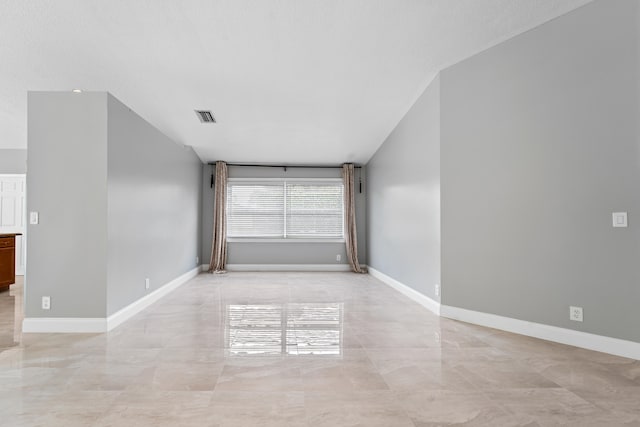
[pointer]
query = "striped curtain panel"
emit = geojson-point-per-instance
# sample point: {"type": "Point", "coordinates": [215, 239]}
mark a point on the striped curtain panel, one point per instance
{"type": "Point", "coordinates": [219, 244]}
{"type": "Point", "coordinates": [350, 235]}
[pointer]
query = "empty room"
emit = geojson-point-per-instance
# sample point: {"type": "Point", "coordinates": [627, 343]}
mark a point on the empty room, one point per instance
{"type": "Point", "coordinates": [396, 213]}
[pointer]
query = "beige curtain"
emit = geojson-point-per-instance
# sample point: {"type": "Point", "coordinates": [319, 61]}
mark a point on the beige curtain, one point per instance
{"type": "Point", "coordinates": [219, 244]}
{"type": "Point", "coordinates": [350, 236]}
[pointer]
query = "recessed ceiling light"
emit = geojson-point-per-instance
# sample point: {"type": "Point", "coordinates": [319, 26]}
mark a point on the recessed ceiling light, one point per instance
{"type": "Point", "coordinates": [77, 91]}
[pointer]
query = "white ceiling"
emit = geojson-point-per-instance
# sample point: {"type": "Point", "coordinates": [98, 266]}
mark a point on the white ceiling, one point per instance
{"type": "Point", "coordinates": [289, 81]}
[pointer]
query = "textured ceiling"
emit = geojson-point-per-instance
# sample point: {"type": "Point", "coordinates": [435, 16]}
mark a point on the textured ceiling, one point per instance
{"type": "Point", "coordinates": [293, 81]}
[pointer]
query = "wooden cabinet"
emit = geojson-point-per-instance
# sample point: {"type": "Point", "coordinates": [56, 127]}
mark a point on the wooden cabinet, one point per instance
{"type": "Point", "coordinates": [7, 260]}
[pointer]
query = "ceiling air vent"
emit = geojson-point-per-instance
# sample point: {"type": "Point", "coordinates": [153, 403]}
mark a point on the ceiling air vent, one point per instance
{"type": "Point", "coordinates": [205, 116]}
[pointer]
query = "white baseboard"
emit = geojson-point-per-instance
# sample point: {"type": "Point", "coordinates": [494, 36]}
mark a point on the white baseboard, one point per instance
{"type": "Point", "coordinates": [100, 324]}
{"type": "Point", "coordinates": [423, 300]}
{"type": "Point", "coordinates": [64, 324]}
{"type": "Point", "coordinates": [288, 267]}
{"type": "Point", "coordinates": [580, 339]}
{"type": "Point", "coordinates": [136, 307]}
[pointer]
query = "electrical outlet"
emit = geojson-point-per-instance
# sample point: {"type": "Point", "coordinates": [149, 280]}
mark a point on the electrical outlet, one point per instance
{"type": "Point", "coordinates": [338, 257]}
{"type": "Point", "coordinates": [147, 283]}
{"type": "Point", "coordinates": [46, 303]}
{"type": "Point", "coordinates": [197, 260]}
{"type": "Point", "coordinates": [437, 290]}
{"type": "Point", "coordinates": [575, 313]}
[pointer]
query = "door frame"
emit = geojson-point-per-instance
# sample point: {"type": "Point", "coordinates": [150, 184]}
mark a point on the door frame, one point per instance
{"type": "Point", "coordinates": [24, 218]}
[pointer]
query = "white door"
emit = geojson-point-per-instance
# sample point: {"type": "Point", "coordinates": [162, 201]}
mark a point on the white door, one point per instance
{"type": "Point", "coordinates": [12, 214]}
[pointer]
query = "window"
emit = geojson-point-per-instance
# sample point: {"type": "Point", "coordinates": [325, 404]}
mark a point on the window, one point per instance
{"type": "Point", "coordinates": [255, 210]}
{"type": "Point", "coordinates": [285, 209]}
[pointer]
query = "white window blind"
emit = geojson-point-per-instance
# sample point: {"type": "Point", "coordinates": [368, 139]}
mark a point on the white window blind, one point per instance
{"type": "Point", "coordinates": [255, 210]}
{"type": "Point", "coordinates": [285, 209]}
{"type": "Point", "coordinates": [314, 210]}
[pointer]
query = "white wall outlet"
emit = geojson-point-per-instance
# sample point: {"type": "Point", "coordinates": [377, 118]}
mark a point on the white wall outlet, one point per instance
{"type": "Point", "coordinates": [46, 303]}
{"type": "Point", "coordinates": [197, 260]}
{"type": "Point", "coordinates": [33, 218]}
{"type": "Point", "coordinates": [437, 290]}
{"type": "Point", "coordinates": [575, 313]}
{"type": "Point", "coordinates": [147, 283]}
{"type": "Point", "coordinates": [338, 257]}
{"type": "Point", "coordinates": [619, 219]}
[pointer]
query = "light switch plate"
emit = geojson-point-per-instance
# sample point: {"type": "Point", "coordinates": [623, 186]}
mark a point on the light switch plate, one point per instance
{"type": "Point", "coordinates": [33, 217]}
{"type": "Point", "coordinates": [619, 219]}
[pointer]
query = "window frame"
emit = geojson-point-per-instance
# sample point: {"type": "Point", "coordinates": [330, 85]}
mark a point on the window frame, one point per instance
{"type": "Point", "coordinates": [284, 181]}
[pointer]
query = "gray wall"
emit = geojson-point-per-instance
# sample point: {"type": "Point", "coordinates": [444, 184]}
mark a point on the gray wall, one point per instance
{"type": "Point", "coordinates": [13, 161]}
{"type": "Point", "coordinates": [67, 182]}
{"type": "Point", "coordinates": [403, 206]}
{"type": "Point", "coordinates": [540, 144]}
{"type": "Point", "coordinates": [118, 202]}
{"type": "Point", "coordinates": [282, 252]}
{"type": "Point", "coordinates": [153, 207]}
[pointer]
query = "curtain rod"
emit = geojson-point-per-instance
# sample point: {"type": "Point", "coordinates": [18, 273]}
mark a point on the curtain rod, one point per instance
{"type": "Point", "coordinates": [285, 166]}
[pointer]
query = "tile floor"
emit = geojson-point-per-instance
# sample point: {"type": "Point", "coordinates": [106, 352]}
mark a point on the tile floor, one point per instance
{"type": "Point", "coordinates": [302, 349]}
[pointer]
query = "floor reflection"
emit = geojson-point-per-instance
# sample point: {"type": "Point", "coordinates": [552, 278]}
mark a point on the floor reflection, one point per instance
{"type": "Point", "coordinates": [294, 329]}
{"type": "Point", "coordinates": [11, 315]}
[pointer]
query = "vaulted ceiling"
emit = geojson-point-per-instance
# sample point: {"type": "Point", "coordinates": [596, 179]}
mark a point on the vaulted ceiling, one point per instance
{"type": "Point", "coordinates": [288, 81]}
